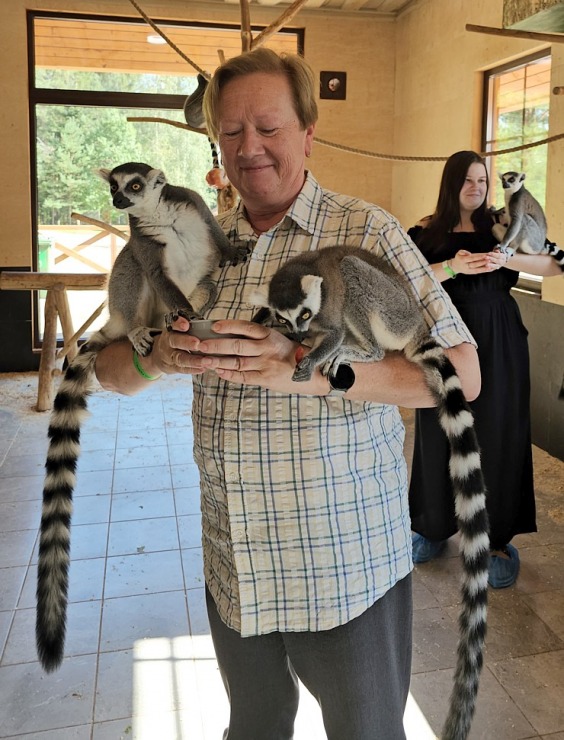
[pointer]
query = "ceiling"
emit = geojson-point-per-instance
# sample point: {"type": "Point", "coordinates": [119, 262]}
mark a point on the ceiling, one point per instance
{"type": "Point", "coordinates": [382, 7]}
{"type": "Point", "coordinates": [106, 46]}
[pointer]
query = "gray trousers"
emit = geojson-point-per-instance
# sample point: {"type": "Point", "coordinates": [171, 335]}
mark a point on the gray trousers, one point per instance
{"type": "Point", "coordinates": [358, 672]}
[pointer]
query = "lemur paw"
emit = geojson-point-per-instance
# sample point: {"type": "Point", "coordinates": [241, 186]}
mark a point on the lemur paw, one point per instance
{"type": "Point", "coordinates": [507, 250]}
{"type": "Point", "coordinates": [303, 371]}
{"type": "Point", "coordinates": [142, 339]}
{"type": "Point", "coordinates": [332, 363]}
{"type": "Point", "coordinates": [185, 313]}
{"type": "Point", "coordinates": [240, 255]}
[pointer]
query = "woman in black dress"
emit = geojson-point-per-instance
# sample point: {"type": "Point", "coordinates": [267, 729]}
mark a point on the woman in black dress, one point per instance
{"type": "Point", "coordinates": [458, 243]}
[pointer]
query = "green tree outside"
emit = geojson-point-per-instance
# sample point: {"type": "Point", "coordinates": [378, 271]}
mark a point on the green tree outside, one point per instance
{"type": "Point", "coordinates": [73, 142]}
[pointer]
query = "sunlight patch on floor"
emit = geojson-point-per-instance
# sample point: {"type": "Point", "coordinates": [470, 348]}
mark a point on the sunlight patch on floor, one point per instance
{"type": "Point", "coordinates": [178, 695]}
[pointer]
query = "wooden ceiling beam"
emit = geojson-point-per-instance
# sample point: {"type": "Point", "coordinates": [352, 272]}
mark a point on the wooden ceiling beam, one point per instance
{"type": "Point", "coordinates": [549, 38]}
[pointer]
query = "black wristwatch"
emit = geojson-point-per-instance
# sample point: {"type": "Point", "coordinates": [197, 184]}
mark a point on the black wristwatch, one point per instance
{"type": "Point", "coordinates": [341, 379]}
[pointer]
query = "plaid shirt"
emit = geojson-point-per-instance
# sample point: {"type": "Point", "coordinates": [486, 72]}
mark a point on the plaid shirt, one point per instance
{"type": "Point", "coordinates": [304, 498]}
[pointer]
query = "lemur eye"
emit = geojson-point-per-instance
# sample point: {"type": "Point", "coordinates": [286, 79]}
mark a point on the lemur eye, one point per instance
{"type": "Point", "coordinates": [136, 186]}
{"type": "Point", "coordinates": [113, 188]}
{"type": "Point", "coordinates": [306, 315]}
{"type": "Point", "coordinates": [281, 320]}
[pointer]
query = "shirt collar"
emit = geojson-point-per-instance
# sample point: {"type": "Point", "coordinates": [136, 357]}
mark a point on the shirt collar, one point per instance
{"type": "Point", "coordinates": [304, 210]}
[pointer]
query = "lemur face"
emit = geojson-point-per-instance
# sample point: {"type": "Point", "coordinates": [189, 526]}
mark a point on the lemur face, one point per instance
{"type": "Point", "coordinates": [512, 181]}
{"type": "Point", "coordinates": [134, 186]}
{"type": "Point", "coordinates": [296, 308]}
{"type": "Point", "coordinates": [293, 301]}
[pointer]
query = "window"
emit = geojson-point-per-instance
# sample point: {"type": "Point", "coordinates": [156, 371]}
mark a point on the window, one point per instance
{"type": "Point", "coordinates": [88, 76]}
{"type": "Point", "coordinates": [517, 112]}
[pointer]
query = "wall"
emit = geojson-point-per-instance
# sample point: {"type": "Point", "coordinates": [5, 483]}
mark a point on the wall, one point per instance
{"type": "Point", "coordinates": [544, 322]}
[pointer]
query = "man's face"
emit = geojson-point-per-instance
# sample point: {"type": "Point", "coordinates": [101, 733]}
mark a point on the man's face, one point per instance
{"type": "Point", "coordinates": [262, 143]}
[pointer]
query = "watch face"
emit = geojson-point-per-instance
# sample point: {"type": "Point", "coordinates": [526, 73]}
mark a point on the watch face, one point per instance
{"type": "Point", "coordinates": [343, 378]}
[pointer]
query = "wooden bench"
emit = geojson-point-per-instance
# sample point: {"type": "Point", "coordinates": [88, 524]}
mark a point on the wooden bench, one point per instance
{"type": "Point", "coordinates": [56, 306]}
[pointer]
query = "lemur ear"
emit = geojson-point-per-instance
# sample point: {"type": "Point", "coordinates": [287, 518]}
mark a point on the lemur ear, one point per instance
{"type": "Point", "coordinates": [311, 282]}
{"type": "Point", "coordinates": [522, 177]}
{"type": "Point", "coordinates": [259, 297]}
{"type": "Point", "coordinates": [104, 173]}
{"type": "Point", "coordinates": [157, 177]}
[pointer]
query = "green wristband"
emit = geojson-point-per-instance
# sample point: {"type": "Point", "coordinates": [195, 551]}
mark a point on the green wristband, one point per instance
{"type": "Point", "coordinates": [142, 373]}
{"type": "Point", "coordinates": [448, 269]}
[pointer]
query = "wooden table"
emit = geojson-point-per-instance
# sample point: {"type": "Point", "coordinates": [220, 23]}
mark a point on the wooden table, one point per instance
{"type": "Point", "coordinates": [56, 305]}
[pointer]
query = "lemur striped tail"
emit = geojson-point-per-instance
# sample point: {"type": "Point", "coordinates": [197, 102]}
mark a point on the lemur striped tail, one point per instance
{"type": "Point", "coordinates": [456, 419]}
{"type": "Point", "coordinates": [555, 251]}
{"type": "Point", "coordinates": [69, 411]}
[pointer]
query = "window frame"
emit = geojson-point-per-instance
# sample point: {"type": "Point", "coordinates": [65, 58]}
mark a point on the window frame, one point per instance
{"type": "Point", "coordinates": [527, 282]}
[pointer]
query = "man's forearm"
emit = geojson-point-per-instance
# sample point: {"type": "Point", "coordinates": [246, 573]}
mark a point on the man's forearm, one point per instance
{"type": "Point", "coordinates": [116, 372]}
{"type": "Point", "coordinates": [396, 380]}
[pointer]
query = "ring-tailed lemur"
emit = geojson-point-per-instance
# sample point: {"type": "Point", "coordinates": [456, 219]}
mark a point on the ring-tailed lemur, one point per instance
{"type": "Point", "coordinates": [352, 305]}
{"type": "Point", "coordinates": [522, 224]}
{"type": "Point", "coordinates": [194, 115]}
{"type": "Point", "coordinates": [174, 246]}
{"type": "Point", "coordinates": [501, 222]}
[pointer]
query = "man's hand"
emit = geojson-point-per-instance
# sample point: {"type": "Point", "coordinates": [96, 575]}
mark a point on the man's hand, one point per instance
{"type": "Point", "coordinates": [258, 356]}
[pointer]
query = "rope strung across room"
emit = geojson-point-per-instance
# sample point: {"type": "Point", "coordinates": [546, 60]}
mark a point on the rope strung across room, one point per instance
{"type": "Point", "coordinates": [402, 158]}
{"type": "Point", "coordinates": [364, 152]}
{"type": "Point", "coordinates": [342, 147]}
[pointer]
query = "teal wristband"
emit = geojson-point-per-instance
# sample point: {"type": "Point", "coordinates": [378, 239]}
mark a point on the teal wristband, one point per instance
{"type": "Point", "coordinates": [142, 373]}
{"type": "Point", "coordinates": [448, 269]}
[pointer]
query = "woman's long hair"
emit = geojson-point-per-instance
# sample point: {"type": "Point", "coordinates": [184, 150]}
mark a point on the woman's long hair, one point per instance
{"type": "Point", "coordinates": [447, 213]}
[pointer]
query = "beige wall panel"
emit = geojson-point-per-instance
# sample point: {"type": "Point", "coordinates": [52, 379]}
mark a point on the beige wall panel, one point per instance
{"type": "Point", "coordinates": [14, 139]}
{"type": "Point", "coordinates": [364, 49]}
{"type": "Point", "coordinates": [555, 173]}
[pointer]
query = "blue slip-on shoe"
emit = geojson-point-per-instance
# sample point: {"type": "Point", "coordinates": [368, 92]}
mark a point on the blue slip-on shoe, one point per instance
{"type": "Point", "coordinates": [503, 572]}
{"type": "Point", "coordinates": [424, 549]}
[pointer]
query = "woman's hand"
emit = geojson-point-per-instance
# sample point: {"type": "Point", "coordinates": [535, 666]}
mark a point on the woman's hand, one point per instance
{"type": "Point", "coordinates": [469, 263]}
{"type": "Point", "coordinates": [497, 259]}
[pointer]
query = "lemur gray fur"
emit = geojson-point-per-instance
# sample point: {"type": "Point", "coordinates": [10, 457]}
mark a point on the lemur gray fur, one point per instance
{"type": "Point", "coordinates": [175, 244]}
{"type": "Point", "coordinates": [193, 112]}
{"type": "Point", "coordinates": [499, 228]}
{"type": "Point", "coordinates": [522, 224]}
{"type": "Point", "coordinates": [352, 305]}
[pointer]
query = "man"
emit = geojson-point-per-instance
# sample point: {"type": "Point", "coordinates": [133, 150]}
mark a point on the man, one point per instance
{"type": "Point", "coordinates": [306, 531]}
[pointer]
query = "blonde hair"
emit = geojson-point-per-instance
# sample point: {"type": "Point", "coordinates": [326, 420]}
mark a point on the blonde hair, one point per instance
{"type": "Point", "coordinates": [294, 67]}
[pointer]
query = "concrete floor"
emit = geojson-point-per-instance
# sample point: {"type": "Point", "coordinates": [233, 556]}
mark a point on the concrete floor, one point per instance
{"type": "Point", "coordinates": [140, 663]}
